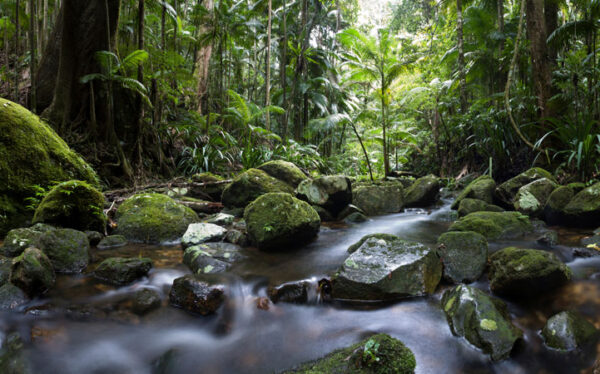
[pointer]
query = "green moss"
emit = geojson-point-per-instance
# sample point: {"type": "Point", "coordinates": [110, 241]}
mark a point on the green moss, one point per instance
{"type": "Point", "coordinates": [279, 220]}
{"type": "Point", "coordinates": [494, 225]}
{"type": "Point", "coordinates": [569, 330]}
{"type": "Point", "coordinates": [519, 272]}
{"type": "Point", "coordinates": [249, 185]}
{"type": "Point", "coordinates": [468, 205]}
{"type": "Point", "coordinates": [153, 218]}
{"type": "Point", "coordinates": [481, 188]}
{"type": "Point", "coordinates": [206, 177]}
{"type": "Point", "coordinates": [120, 271]}
{"type": "Point", "coordinates": [379, 354]}
{"type": "Point", "coordinates": [378, 199]}
{"type": "Point", "coordinates": [31, 153]}
{"type": "Point", "coordinates": [560, 197]}
{"type": "Point", "coordinates": [67, 249]}
{"type": "Point", "coordinates": [507, 191]}
{"type": "Point", "coordinates": [32, 272]}
{"type": "Point", "coordinates": [423, 192]}
{"type": "Point", "coordinates": [74, 204]}
{"type": "Point", "coordinates": [357, 245]}
{"type": "Point", "coordinates": [284, 171]}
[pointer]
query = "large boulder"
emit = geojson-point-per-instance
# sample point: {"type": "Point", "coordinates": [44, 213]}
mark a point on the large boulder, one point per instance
{"type": "Point", "coordinates": [495, 225]}
{"type": "Point", "coordinates": [468, 206]}
{"type": "Point", "coordinates": [249, 185]}
{"type": "Point", "coordinates": [481, 188]}
{"type": "Point", "coordinates": [278, 221]}
{"type": "Point", "coordinates": [32, 272]}
{"type": "Point", "coordinates": [198, 233]}
{"type": "Point", "coordinates": [13, 359]}
{"type": "Point", "coordinates": [67, 249]}
{"type": "Point", "coordinates": [423, 192]}
{"type": "Point", "coordinates": [526, 272]}
{"type": "Point", "coordinates": [112, 241]}
{"type": "Point", "coordinates": [378, 354]}
{"type": "Point", "coordinates": [383, 269]}
{"type": "Point", "coordinates": [556, 203]}
{"type": "Point", "coordinates": [31, 154]}
{"type": "Point", "coordinates": [376, 200]}
{"type": "Point", "coordinates": [483, 320]}
{"type": "Point", "coordinates": [284, 171]}
{"type": "Point", "coordinates": [569, 330]}
{"type": "Point", "coordinates": [12, 297]}
{"type": "Point", "coordinates": [73, 204]}
{"type": "Point", "coordinates": [332, 192]}
{"type": "Point", "coordinates": [506, 192]}
{"type": "Point", "coordinates": [207, 185]}
{"type": "Point", "coordinates": [532, 197]}
{"type": "Point", "coordinates": [196, 295]}
{"type": "Point", "coordinates": [211, 258]}
{"type": "Point", "coordinates": [464, 255]}
{"type": "Point", "coordinates": [153, 218]}
{"type": "Point", "coordinates": [119, 271]}
{"type": "Point", "coordinates": [17, 240]}
{"type": "Point", "coordinates": [584, 208]}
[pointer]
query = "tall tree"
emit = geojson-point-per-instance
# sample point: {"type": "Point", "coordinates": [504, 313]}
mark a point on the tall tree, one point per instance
{"type": "Point", "coordinates": [541, 77]}
{"type": "Point", "coordinates": [268, 66]}
{"type": "Point", "coordinates": [462, 80]}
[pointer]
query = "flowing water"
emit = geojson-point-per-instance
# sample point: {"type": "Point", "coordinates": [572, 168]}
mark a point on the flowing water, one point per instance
{"type": "Point", "coordinates": [83, 326]}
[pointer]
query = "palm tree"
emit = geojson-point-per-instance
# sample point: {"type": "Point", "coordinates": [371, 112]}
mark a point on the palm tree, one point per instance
{"type": "Point", "coordinates": [374, 59]}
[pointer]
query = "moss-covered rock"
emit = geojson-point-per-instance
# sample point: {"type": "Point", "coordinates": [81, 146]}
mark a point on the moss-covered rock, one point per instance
{"type": "Point", "coordinates": [284, 171]}
{"type": "Point", "coordinates": [290, 292]}
{"type": "Point", "coordinates": [506, 192]}
{"type": "Point", "coordinates": [210, 190]}
{"type": "Point", "coordinates": [32, 272]}
{"type": "Point", "coordinates": [120, 271]}
{"type": "Point", "coordinates": [112, 241]}
{"type": "Point", "coordinates": [569, 330]}
{"type": "Point", "coordinates": [12, 357]}
{"type": "Point", "coordinates": [278, 221]}
{"type": "Point", "coordinates": [375, 200]}
{"type": "Point", "coordinates": [556, 203]}
{"type": "Point", "coordinates": [17, 240]}
{"type": "Point", "coordinates": [12, 297]}
{"type": "Point", "coordinates": [73, 204]}
{"type": "Point", "coordinates": [5, 265]}
{"type": "Point", "coordinates": [67, 249]}
{"type": "Point", "coordinates": [94, 237]}
{"type": "Point", "coordinates": [423, 192]}
{"type": "Point", "coordinates": [209, 258]}
{"type": "Point", "coordinates": [481, 188]}
{"type": "Point", "coordinates": [361, 241]}
{"type": "Point", "coordinates": [249, 185]}
{"type": "Point", "coordinates": [464, 255]}
{"type": "Point", "coordinates": [483, 320]}
{"type": "Point", "coordinates": [468, 206]}
{"type": "Point", "coordinates": [153, 218]}
{"type": "Point", "coordinates": [31, 154]}
{"type": "Point", "coordinates": [387, 270]}
{"type": "Point", "coordinates": [532, 197]}
{"type": "Point", "coordinates": [378, 354]}
{"type": "Point", "coordinates": [146, 300]}
{"type": "Point", "coordinates": [495, 225]}
{"type": "Point", "coordinates": [526, 272]}
{"type": "Point", "coordinates": [332, 192]}
{"type": "Point", "coordinates": [195, 295]}
{"type": "Point", "coordinates": [221, 219]}
{"type": "Point", "coordinates": [584, 208]}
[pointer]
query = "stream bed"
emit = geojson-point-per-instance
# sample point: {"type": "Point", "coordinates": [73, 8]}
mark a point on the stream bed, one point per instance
{"type": "Point", "coordinates": [84, 326]}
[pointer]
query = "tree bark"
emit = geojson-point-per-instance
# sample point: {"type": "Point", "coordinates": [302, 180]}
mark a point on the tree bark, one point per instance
{"type": "Point", "coordinates": [32, 52]}
{"type": "Point", "coordinates": [462, 81]}
{"type": "Point", "coordinates": [202, 65]}
{"type": "Point", "coordinates": [536, 29]}
{"type": "Point", "coordinates": [268, 66]}
{"type": "Point", "coordinates": [48, 67]}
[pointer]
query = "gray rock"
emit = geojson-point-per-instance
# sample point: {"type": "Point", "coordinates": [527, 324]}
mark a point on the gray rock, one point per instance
{"type": "Point", "coordinates": [332, 192]}
{"type": "Point", "coordinates": [569, 330]}
{"type": "Point", "coordinates": [18, 239]}
{"type": "Point", "coordinates": [211, 258]}
{"type": "Point", "coordinates": [112, 241]}
{"type": "Point", "coordinates": [464, 255]}
{"type": "Point", "coordinates": [146, 300]}
{"type": "Point", "coordinates": [291, 292]}
{"type": "Point", "coordinates": [94, 237]}
{"type": "Point", "coordinates": [198, 233]}
{"type": "Point", "coordinates": [383, 269]}
{"type": "Point", "coordinates": [12, 297]}
{"type": "Point", "coordinates": [495, 225]}
{"type": "Point", "coordinates": [468, 206]}
{"type": "Point", "coordinates": [120, 271]}
{"type": "Point", "coordinates": [237, 237]}
{"type": "Point", "coordinates": [506, 192]}
{"type": "Point", "coordinates": [481, 188]}
{"type": "Point", "coordinates": [376, 200]}
{"type": "Point", "coordinates": [531, 198]}
{"type": "Point", "coordinates": [483, 320]}
{"type": "Point", "coordinates": [221, 219]}
{"type": "Point", "coordinates": [424, 192]}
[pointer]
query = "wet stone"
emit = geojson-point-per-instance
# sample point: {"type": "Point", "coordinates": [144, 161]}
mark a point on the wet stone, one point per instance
{"type": "Point", "coordinates": [112, 241]}
{"type": "Point", "coordinates": [221, 219]}
{"type": "Point", "coordinates": [146, 300]}
{"type": "Point", "coordinates": [94, 237]}
{"type": "Point", "coordinates": [195, 295]}
{"type": "Point", "coordinates": [120, 271]}
{"type": "Point", "coordinates": [291, 292]}
{"type": "Point", "coordinates": [198, 233]}
{"type": "Point", "coordinates": [12, 297]}
{"type": "Point", "coordinates": [211, 258]}
{"type": "Point", "coordinates": [569, 330]}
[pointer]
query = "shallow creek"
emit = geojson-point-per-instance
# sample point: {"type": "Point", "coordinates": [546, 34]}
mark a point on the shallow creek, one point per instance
{"type": "Point", "coordinates": [83, 326]}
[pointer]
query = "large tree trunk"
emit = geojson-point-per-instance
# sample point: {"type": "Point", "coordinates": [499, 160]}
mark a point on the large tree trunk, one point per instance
{"type": "Point", "coordinates": [48, 68]}
{"type": "Point", "coordinates": [202, 65]}
{"type": "Point", "coordinates": [536, 29]}
{"type": "Point", "coordinates": [462, 81]}
{"type": "Point", "coordinates": [80, 42]}
{"type": "Point", "coordinates": [268, 67]}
